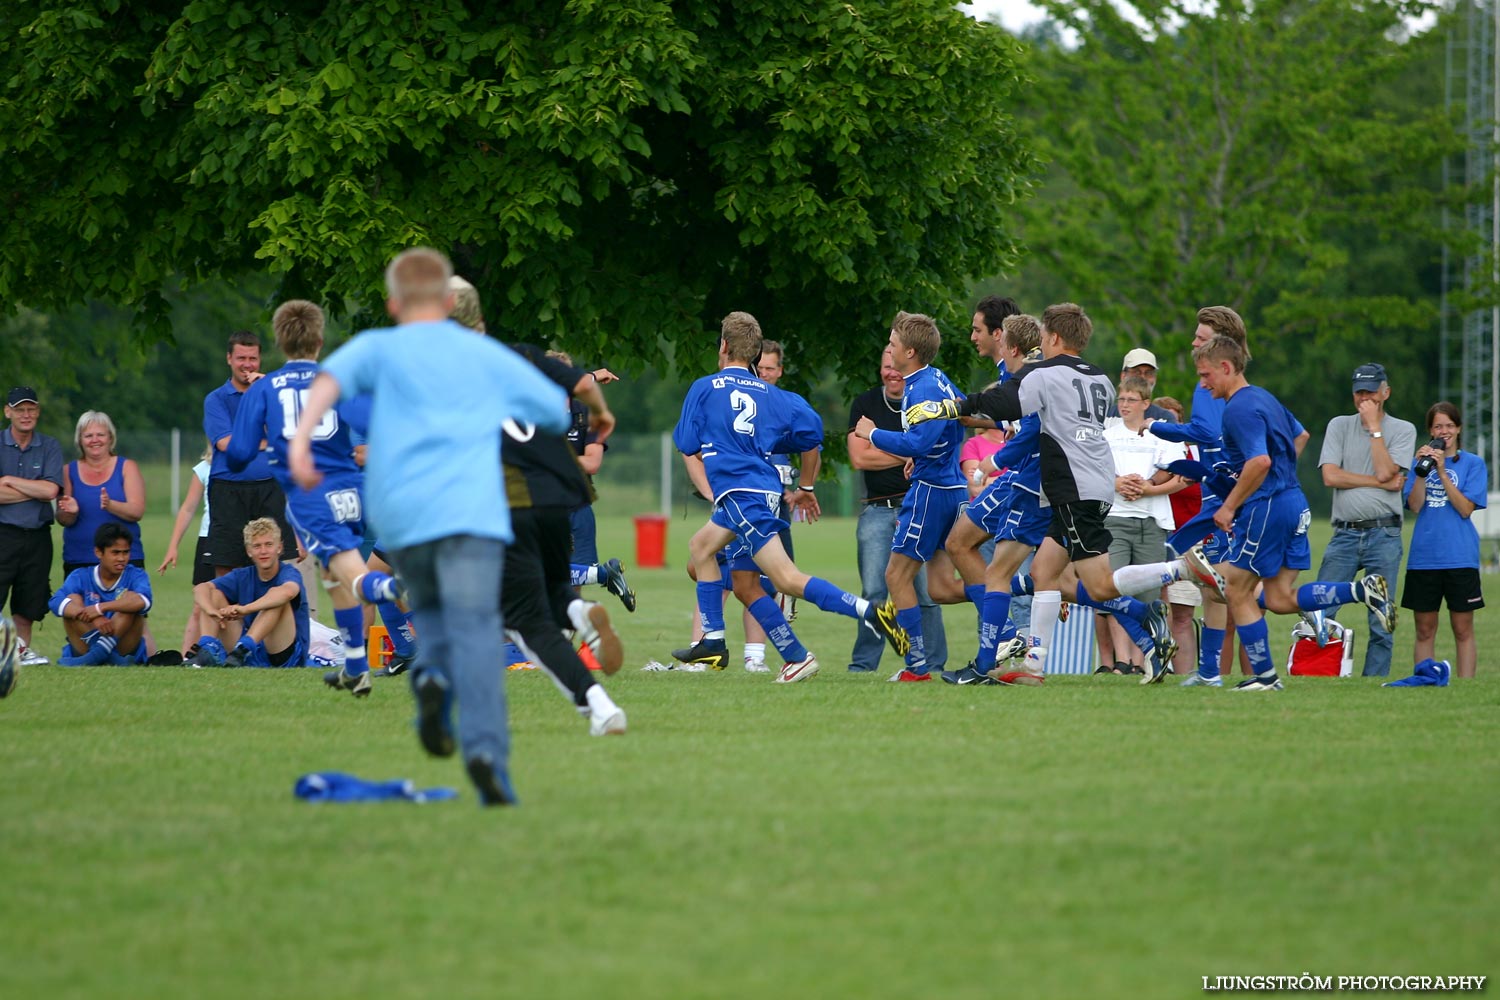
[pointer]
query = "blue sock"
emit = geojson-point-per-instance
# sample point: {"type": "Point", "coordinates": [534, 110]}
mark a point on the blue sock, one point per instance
{"type": "Point", "coordinates": [1260, 599]}
{"type": "Point", "coordinates": [376, 587]}
{"type": "Point", "coordinates": [1313, 596]}
{"type": "Point", "coordinates": [1137, 633]}
{"type": "Point", "coordinates": [1211, 645]}
{"type": "Point", "coordinates": [351, 625]}
{"type": "Point", "coordinates": [711, 610]}
{"type": "Point", "coordinates": [994, 615]}
{"type": "Point", "coordinates": [1021, 585]}
{"type": "Point", "coordinates": [582, 575]}
{"type": "Point", "coordinates": [830, 598]}
{"type": "Point", "coordinates": [1125, 607]}
{"type": "Point", "coordinates": [1256, 639]}
{"type": "Point", "coordinates": [398, 626]}
{"type": "Point", "coordinates": [767, 586]}
{"type": "Point", "coordinates": [975, 594]}
{"type": "Point", "coordinates": [911, 620]}
{"type": "Point", "coordinates": [765, 611]}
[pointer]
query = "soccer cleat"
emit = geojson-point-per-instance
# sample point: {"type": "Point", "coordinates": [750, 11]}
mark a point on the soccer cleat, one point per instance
{"type": "Point", "coordinates": [968, 675]}
{"type": "Point", "coordinates": [356, 684]}
{"type": "Point", "coordinates": [883, 624]}
{"type": "Point", "coordinates": [591, 627]}
{"type": "Point", "coordinates": [801, 670]}
{"type": "Point", "coordinates": [1196, 560]}
{"type": "Point", "coordinates": [791, 614]}
{"type": "Point", "coordinates": [904, 676]}
{"type": "Point", "coordinates": [1270, 682]}
{"type": "Point", "coordinates": [1158, 622]}
{"type": "Point", "coordinates": [29, 656]}
{"type": "Point", "coordinates": [1032, 672]}
{"type": "Point", "coordinates": [1377, 597]}
{"type": "Point", "coordinates": [714, 655]}
{"type": "Point", "coordinates": [1317, 622]}
{"type": "Point", "coordinates": [235, 657]}
{"type": "Point", "coordinates": [1196, 679]}
{"type": "Point", "coordinates": [608, 724]}
{"type": "Point", "coordinates": [612, 577]}
{"type": "Point", "coordinates": [1011, 649]}
{"type": "Point", "coordinates": [492, 785]}
{"type": "Point", "coordinates": [756, 666]}
{"type": "Point", "coordinates": [395, 666]}
{"type": "Point", "coordinates": [1020, 678]}
{"type": "Point", "coordinates": [433, 704]}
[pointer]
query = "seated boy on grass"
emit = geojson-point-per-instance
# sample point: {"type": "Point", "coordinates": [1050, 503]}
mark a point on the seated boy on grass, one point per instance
{"type": "Point", "coordinates": [259, 608]}
{"type": "Point", "coordinates": [104, 607]}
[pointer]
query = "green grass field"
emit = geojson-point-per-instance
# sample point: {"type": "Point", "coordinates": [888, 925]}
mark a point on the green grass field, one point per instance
{"type": "Point", "coordinates": [843, 837]}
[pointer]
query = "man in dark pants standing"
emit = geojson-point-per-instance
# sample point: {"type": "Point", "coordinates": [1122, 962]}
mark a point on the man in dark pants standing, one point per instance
{"type": "Point", "coordinates": [31, 467]}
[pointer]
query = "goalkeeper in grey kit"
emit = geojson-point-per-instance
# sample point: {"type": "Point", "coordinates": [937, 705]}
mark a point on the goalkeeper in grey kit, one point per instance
{"type": "Point", "coordinates": [1071, 398]}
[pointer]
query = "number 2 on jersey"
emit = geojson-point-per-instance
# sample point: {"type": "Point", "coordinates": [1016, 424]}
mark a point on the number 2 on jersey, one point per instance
{"type": "Point", "coordinates": [743, 404]}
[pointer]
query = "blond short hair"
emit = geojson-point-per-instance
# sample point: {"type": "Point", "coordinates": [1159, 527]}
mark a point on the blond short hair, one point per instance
{"type": "Point", "coordinates": [917, 333]}
{"type": "Point", "coordinates": [1070, 323]}
{"type": "Point", "coordinates": [741, 335]}
{"type": "Point", "coordinates": [418, 276]}
{"type": "Point", "coordinates": [94, 417]}
{"type": "Point", "coordinates": [466, 308]}
{"type": "Point", "coordinates": [262, 526]}
{"type": "Point", "coordinates": [1225, 322]}
{"type": "Point", "coordinates": [1223, 348]}
{"type": "Point", "coordinates": [1023, 333]}
{"type": "Point", "coordinates": [298, 325]}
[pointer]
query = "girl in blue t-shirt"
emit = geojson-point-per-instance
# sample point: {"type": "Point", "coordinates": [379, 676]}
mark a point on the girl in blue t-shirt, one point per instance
{"type": "Point", "coordinates": [1443, 564]}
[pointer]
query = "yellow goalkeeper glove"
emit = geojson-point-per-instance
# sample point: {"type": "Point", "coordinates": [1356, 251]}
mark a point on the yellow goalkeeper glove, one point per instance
{"type": "Point", "coordinates": [941, 409]}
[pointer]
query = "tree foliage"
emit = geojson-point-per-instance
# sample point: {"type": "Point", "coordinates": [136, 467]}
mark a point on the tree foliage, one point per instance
{"type": "Point", "coordinates": [612, 174]}
{"type": "Point", "coordinates": [1281, 156]}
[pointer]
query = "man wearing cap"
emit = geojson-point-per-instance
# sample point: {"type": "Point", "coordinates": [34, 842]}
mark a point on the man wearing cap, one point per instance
{"type": "Point", "coordinates": [1142, 364]}
{"type": "Point", "coordinates": [1365, 459]}
{"type": "Point", "coordinates": [31, 466]}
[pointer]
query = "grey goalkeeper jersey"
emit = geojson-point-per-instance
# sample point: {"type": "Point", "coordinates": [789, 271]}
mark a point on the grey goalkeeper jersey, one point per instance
{"type": "Point", "coordinates": [1071, 397]}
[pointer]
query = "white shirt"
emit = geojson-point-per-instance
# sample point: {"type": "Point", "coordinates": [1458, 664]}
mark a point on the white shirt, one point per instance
{"type": "Point", "coordinates": [1141, 454]}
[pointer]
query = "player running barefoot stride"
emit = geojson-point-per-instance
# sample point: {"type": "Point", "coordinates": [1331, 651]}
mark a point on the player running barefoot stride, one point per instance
{"type": "Point", "coordinates": [730, 422]}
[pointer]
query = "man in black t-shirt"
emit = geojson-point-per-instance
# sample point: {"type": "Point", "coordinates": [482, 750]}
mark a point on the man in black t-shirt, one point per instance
{"type": "Point", "coordinates": [885, 485]}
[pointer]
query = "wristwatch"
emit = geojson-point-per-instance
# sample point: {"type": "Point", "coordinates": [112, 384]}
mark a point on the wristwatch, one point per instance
{"type": "Point", "coordinates": [1376, 434]}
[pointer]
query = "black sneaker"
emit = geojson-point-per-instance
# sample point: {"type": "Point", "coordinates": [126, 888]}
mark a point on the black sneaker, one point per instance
{"type": "Point", "coordinates": [395, 666]}
{"type": "Point", "coordinates": [493, 786]}
{"type": "Point", "coordinates": [612, 576]}
{"type": "Point", "coordinates": [713, 654]}
{"type": "Point", "coordinates": [1270, 682]}
{"type": "Point", "coordinates": [356, 684]}
{"type": "Point", "coordinates": [235, 657]}
{"type": "Point", "coordinates": [968, 675]}
{"type": "Point", "coordinates": [433, 704]}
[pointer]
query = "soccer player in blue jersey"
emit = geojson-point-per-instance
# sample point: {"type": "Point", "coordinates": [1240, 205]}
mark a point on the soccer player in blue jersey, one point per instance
{"type": "Point", "coordinates": [1010, 511]}
{"type": "Point", "coordinates": [937, 484]}
{"type": "Point", "coordinates": [329, 519]}
{"type": "Point", "coordinates": [104, 607]}
{"type": "Point", "coordinates": [1267, 515]}
{"type": "Point", "coordinates": [730, 422]}
{"type": "Point", "coordinates": [439, 397]}
{"type": "Point", "coordinates": [263, 603]}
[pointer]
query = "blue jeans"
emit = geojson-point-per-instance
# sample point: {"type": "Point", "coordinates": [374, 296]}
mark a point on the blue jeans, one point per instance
{"type": "Point", "coordinates": [874, 533]}
{"type": "Point", "coordinates": [1375, 550]}
{"type": "Point", "coordinates": [454, 587]}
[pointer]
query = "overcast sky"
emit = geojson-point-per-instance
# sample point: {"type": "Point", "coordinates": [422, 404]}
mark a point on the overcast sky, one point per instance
{"type": "Point", "coordinates": [1014, 14]}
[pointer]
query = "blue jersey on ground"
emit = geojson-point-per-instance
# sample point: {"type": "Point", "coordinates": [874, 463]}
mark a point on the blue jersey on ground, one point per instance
{"type": "Point", "coordinates": [86, 583]}
{"type": "Point", "coordinates": [270, 410]}
{"type": "Point", "coordinates": [439, 395]}
{"type": "Point", "coordinates": [1442, 539]}
{"type": "Point", "coordinates": [733, 420]}
{"type": "Point", "coordinates": [1255, 423]}
{"type": "Point", "coordinates": [244, 585]}
{"type": "Point", "coordinates": [933, 445]}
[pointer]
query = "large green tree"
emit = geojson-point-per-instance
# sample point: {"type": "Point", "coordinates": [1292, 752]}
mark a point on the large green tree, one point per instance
{"type": "Point", "coordinates": [612, 175]}
{"type": "Point", "coordinates": [1279, 156]}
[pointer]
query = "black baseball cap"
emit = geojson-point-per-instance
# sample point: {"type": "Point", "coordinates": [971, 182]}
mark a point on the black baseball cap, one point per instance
{"type": "Point", "coordinates": [1367, 378]}
{"type": "Point", "coordinates": [22, 394]}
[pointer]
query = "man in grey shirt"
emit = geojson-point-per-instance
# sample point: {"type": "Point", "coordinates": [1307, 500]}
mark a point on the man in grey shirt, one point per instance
{"type": "Point", "coordinates": [1365, 459]}
{"type": "Point", "coordinates": [31, 467]}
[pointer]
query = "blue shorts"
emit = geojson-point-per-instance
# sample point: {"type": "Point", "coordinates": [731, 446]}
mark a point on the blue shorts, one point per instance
{"type": "Point", "coordinates": [752, 517]}
{"type": "Point", "coordinates": [927, 515]}
{"type": "Point", "coordinates": [1200, 528]}
{"type": "Point", "coordinates": [329, 519]}
{"type": "Point", "coordinates": [1010, 514]}
{"type": "Point", "coordinates": [1270, 534]}
{"type": "Point", "coordinates": [296, 656]}
{"type": "Point", "coordinates": [585, 535]}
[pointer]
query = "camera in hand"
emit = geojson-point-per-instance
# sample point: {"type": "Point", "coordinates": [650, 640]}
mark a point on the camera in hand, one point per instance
{"type": "Point", "coordinates": [1427, 463]}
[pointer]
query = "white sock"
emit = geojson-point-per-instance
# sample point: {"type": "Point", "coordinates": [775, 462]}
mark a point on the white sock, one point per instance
{"type": "Point", "coordinates": [755, 652]}
{"type": "Point", "coordinates": [600, 703]}
{"type": "Point", "coordinates": [1044, 608]}
{"type": "Point", "coordinates": [1147, 576]}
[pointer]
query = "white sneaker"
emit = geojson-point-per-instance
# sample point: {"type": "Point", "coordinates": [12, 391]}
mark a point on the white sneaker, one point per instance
{"type": "Point", "coordinates": [29, 656]}
{"type": "Point", "coordinates": [756, 666]}
{"type": "Point", "coordinates": [605, 717]}
{"type": "Point", "coordinates": [591, 625]}
{"type": "Point", "coordinates": [1196, 679]}
{"type": "Point", "coordinates": [799, 671]}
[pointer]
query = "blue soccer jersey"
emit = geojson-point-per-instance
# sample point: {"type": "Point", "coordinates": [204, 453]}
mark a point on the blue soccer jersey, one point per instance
{"type": "Point", "coordinates": [270, 410]}
{"type": "Point", "coordinates": [1255, 423]}
{"type": "Point", "coordinates": [733, 420]}
{"type": "Point", "coordinates": [85, 582]}
{"type": "Point", "coordinates": [934, 445]}
{"type": "Point", "coordinates": [244, 585]}
{"type": "Point", "coordinates": [1204, 429]}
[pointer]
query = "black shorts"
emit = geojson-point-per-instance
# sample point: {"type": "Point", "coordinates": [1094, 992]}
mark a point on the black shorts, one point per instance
{"type": "Point", "coordinates": [25, 563]}
{"type": "Point", "coordinates": [1079, 528]}
{"type": "Point", "coordinates": [1428, 589]}
{"type": "Point", "coordinates": [233, 505]}
{"type": "Point", "coordinates": [203, 568]}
